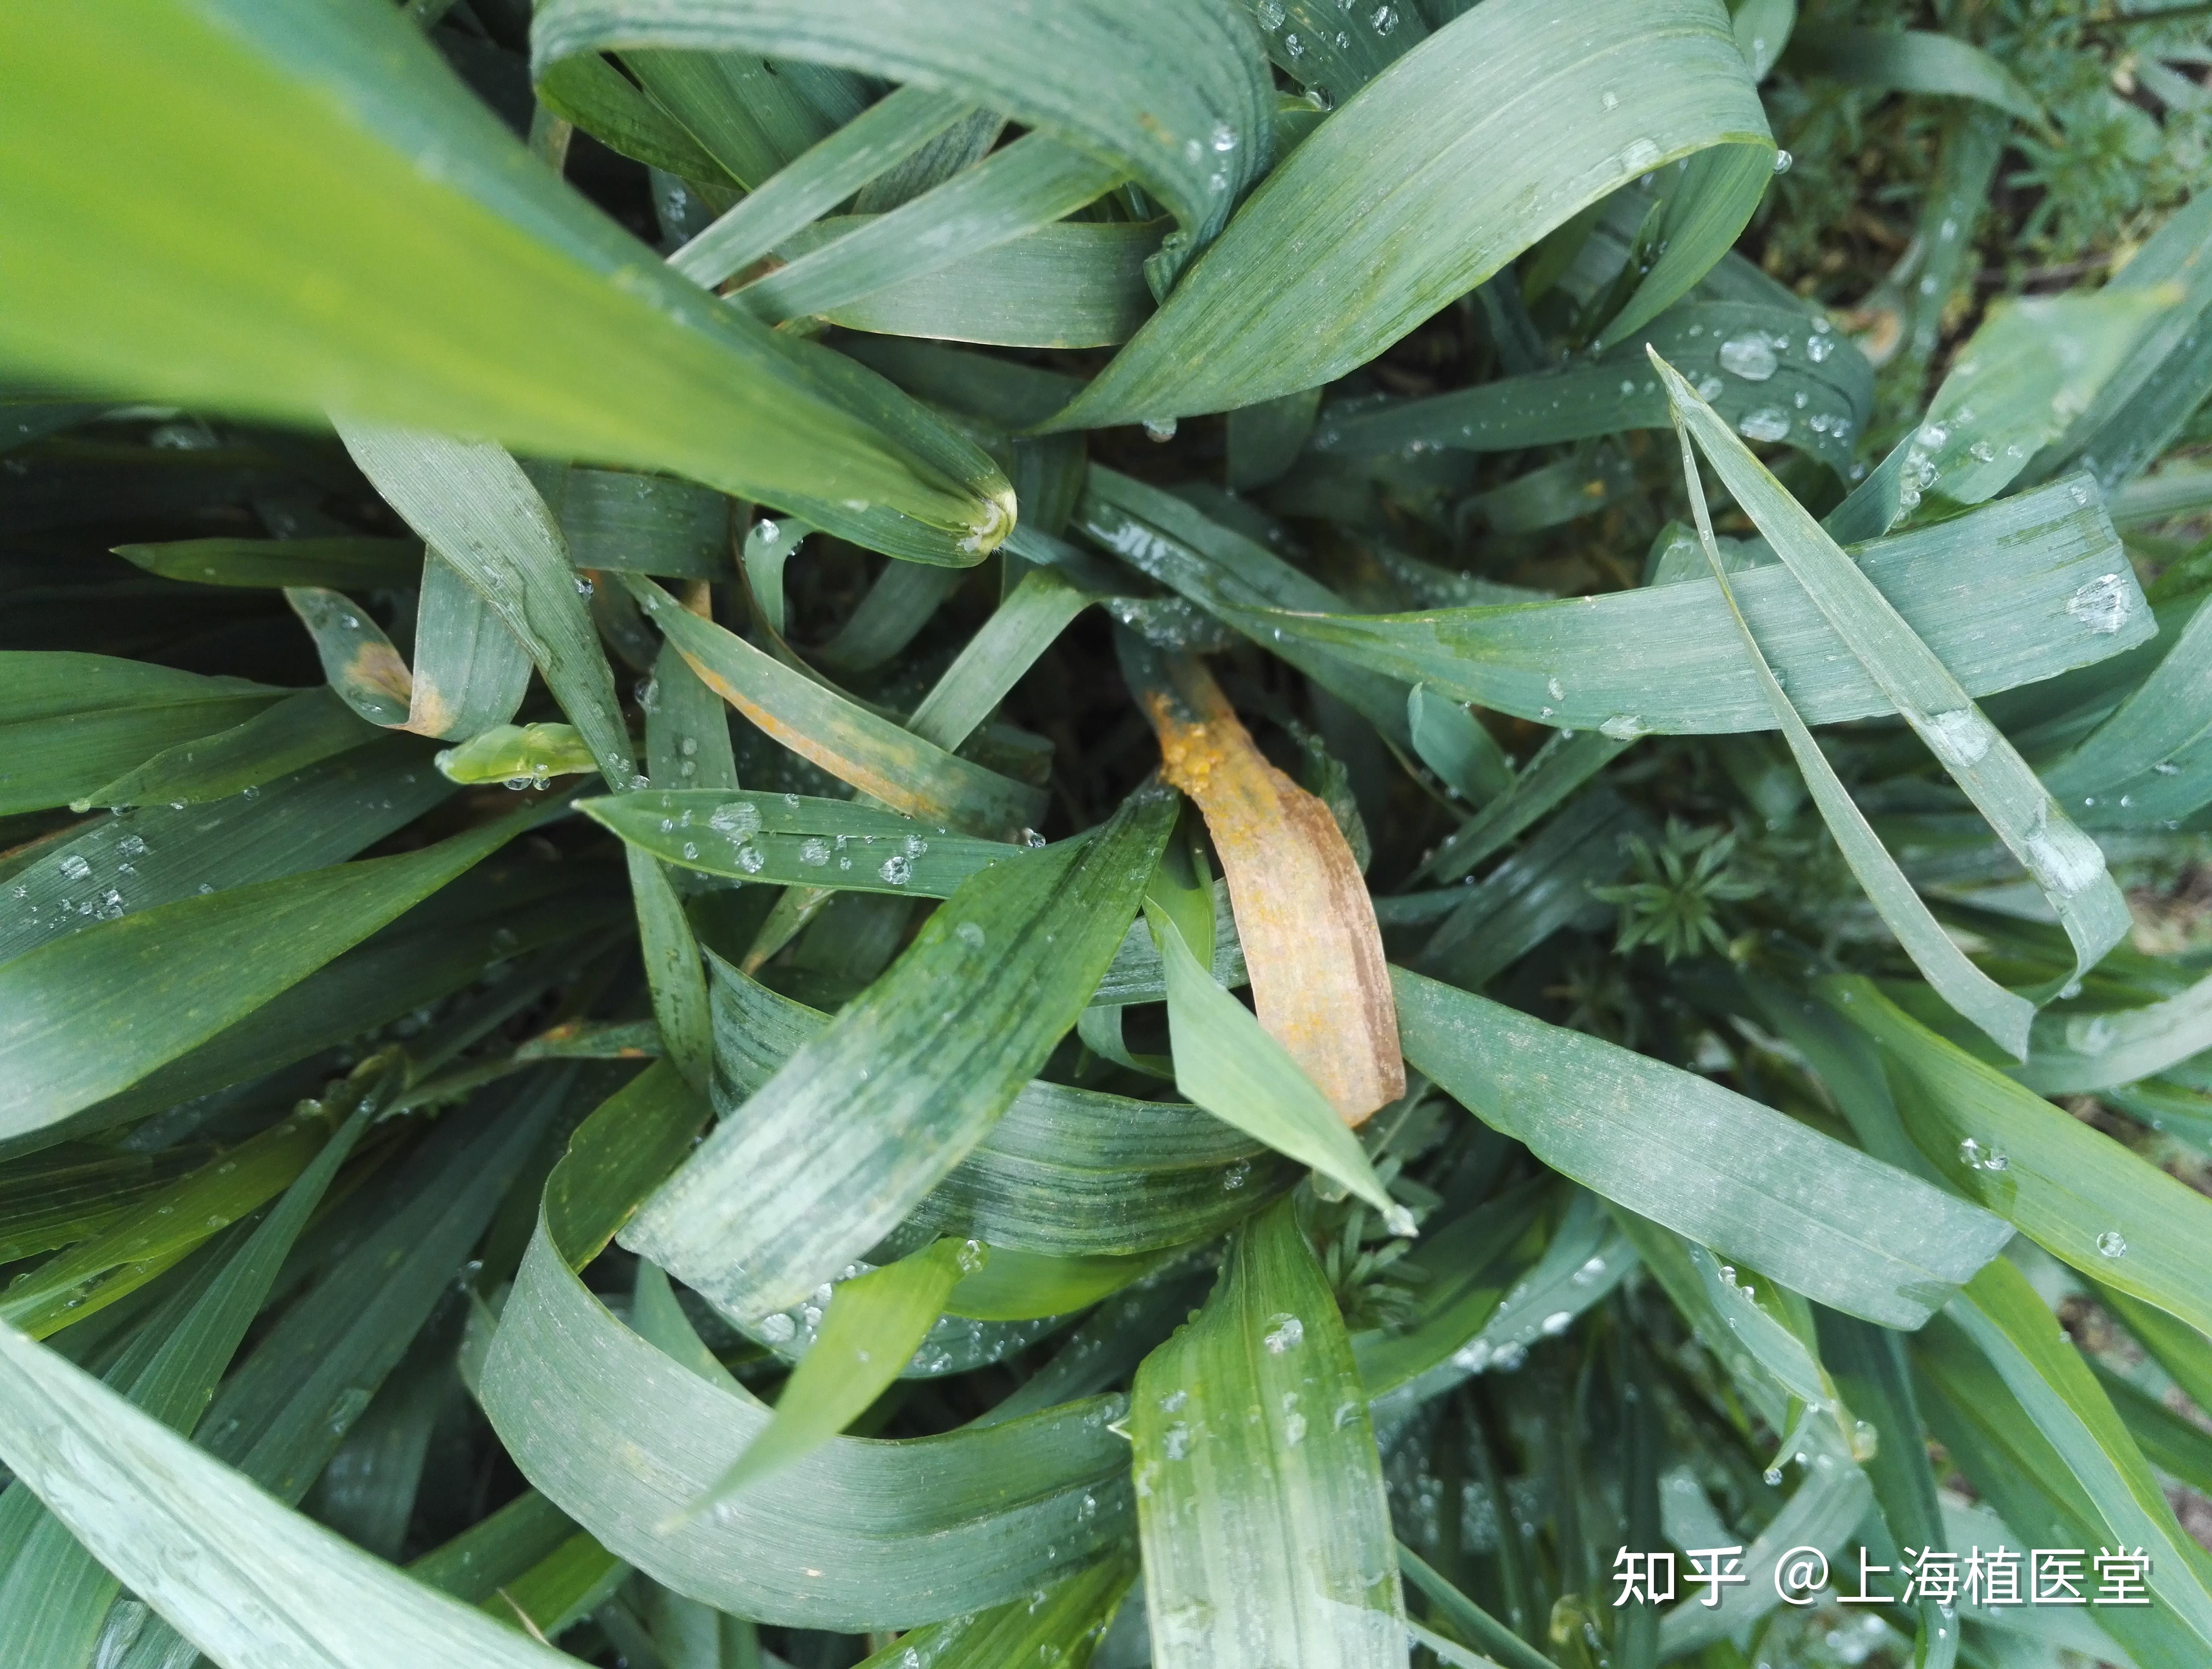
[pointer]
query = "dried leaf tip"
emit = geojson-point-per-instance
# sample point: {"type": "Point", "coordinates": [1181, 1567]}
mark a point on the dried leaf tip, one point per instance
{"type": "Point", "coordinates": [1311, 943]}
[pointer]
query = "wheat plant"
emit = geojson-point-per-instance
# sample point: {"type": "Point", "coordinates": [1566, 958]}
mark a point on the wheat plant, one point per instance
{"type": "Point", "coordinates": [987, 833]}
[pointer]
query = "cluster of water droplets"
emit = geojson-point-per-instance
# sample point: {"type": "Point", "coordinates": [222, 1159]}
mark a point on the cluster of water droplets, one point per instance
{"type": "Point", "coordinates": [955, 1344]}
{"type": "Point", "coordinates": [1754, 356]}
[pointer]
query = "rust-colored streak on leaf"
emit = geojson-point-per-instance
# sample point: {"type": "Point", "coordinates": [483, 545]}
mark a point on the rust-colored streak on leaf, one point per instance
{"type": "Point", "coordinates": [897, 795]}
{"type": "Point", "coordinates": [428, 712]}
{"type": "Point", "coordinates": [1310, 941]}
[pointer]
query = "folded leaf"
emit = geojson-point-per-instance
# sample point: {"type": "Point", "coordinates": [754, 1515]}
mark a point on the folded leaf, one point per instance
{"type": "Point", "coordinates": [1178, 95]}
{"type": "Point", "coordinates": [360, 175]}
{"type": "Point", "coordinates": [859, 1534]}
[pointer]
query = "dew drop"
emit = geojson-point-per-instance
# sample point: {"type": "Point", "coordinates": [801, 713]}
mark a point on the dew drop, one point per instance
{"type": "Point", "coordinates": [1284, 1332]}
{"type": "Point", "coordinates": [2102, 604]}
{"type": "Point", "coordinates": [739, 819]}
{"type": "Point", "coordinates": [2112, 1244]}
{"type": "Point", "coordinates": [1960, 737]}
{"type": "Point", "coordinates": [1767, 423]}
{"type": "Point", "coordinates": [1750, 356]}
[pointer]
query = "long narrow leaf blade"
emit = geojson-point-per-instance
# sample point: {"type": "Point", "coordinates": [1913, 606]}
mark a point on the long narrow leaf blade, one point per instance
{"type": "Point", "coordinates": [1260, 1501]}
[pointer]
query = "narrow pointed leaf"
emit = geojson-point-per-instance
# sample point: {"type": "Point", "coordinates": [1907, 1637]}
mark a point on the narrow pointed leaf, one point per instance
{"type": "Point", "coordinates": [2077, 1193]}
{"type": "Point", "coordinates": [880, 137]}
{"type": "Point", "coordinates": [1632, 663]}
{"type": "Point", "coordinates": [1065, 1172]}
{"type": "Point", "coordinates": [672, 969]}
{"type": "Point", "coordinates": [71, 722]}
{"type": "Point", "coordinates": [817, 842]}
{"type": "Point", "coordinates": [135, 860]}
{"type": "Point", "coordinates": [1030, 184]}
{"type": "Point", "coordinates": [2030, 366]}
{"type": "Point", "coordinates": [2168, 371]}
{"type": "Point", "coordinates": [210, 960]}
{"type": "Point", "coordinates": [82, 1280]}
{"type": "Point", "coordinates": [1820, 1217]}
{"type": "Point", "coordinates": [299, 730]}
{"type": "Point", "coordinates": [1060, 1626]}
{"type": "Point", "coordinates": [2000, 1313]}
{"type": "Point", "coordinates": [868, 1335]}
{"type": "Point", "coordinates": [54, 1595]}
{"type": "Point", "coordinates": [341, 563]}
{"type": "Point", "coordinates": [262, 1587]}
{"type": "Point", "coordinates": [479, 513]}
{"type": "Point", "coordinates": [893, 765]}
{"type": "Point", "coordinates": [471, 669]}
{"type": "Point", "coordinates": [864, 1120]}
{"type": "Point", "coordinates": [1909, 61]}
{"type": "Point", "coordinates": [2066, 863]}
{"type": "Point", "coordinates": [1748, 357]}
{"type": "Point", "coordinates": [2004, 1015]}
{"type": "Point", "coordinates": [1248, 322]}
{"type": "Point", "coordinates": [1179, 96]}
{"type": "Point", "coordinates": [1228, 1065]}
